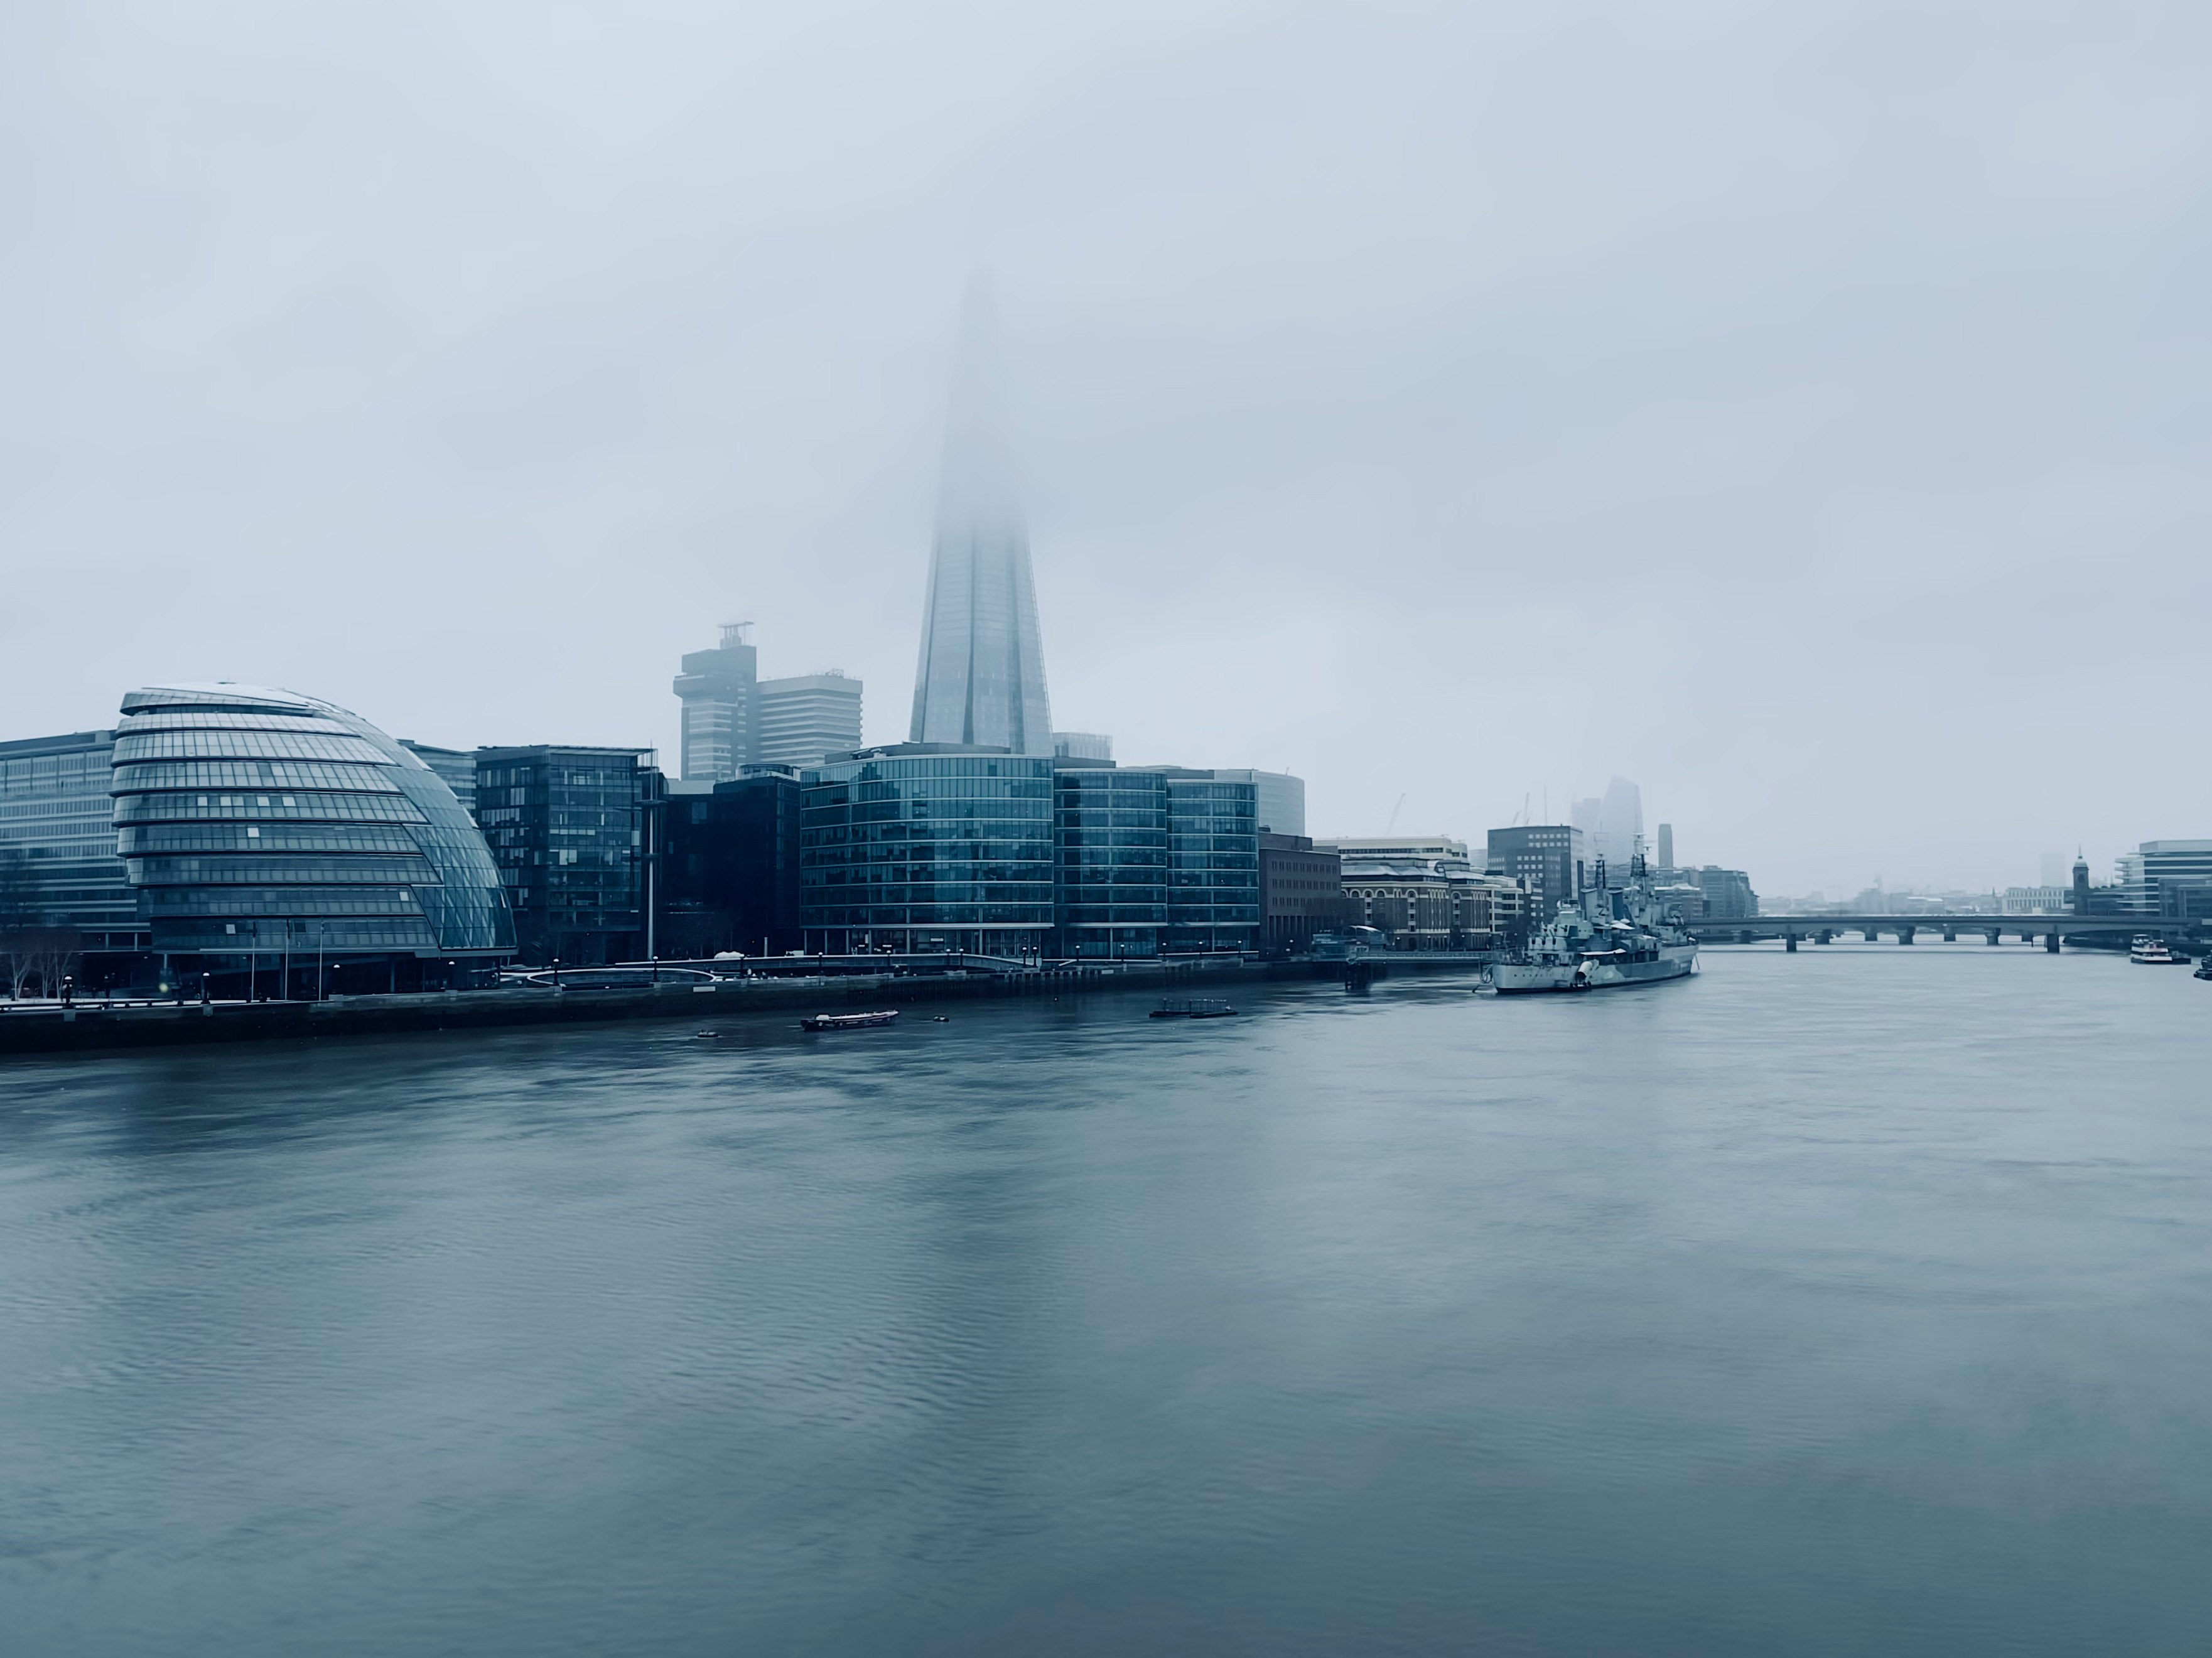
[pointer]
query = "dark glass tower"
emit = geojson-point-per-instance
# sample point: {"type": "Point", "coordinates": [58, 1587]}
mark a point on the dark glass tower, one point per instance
{"type": "Point", "coordinates": [980, 681]}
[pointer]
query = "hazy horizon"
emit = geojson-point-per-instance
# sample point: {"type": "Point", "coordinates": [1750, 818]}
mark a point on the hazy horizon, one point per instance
{"type": "Point", "coordinates": [1803, 414]}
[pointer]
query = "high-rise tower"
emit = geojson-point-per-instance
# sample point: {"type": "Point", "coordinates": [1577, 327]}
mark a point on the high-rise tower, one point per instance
{"type": "Point", "coordinates": [980, 679]}
{"type": "Point", "coordinates": [721, 706]}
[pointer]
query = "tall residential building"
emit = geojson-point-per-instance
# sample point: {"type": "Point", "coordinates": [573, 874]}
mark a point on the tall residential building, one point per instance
{"type": "Point", "coordinates": [732, 717]}
{"type": "Point", "coordinates": [1666, 845]}
{"type": "Point", "coordinates": [566, 827]}
{"type": "Point", "coordinates": [980, 680]}
{"type": "Point", "coordinates": [719, 693]}
{"type": "Point", "coordinates": [805, 717]}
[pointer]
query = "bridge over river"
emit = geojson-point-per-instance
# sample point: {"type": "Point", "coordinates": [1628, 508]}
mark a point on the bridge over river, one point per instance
{"type": "Point", "coordinates": [2028, 929]}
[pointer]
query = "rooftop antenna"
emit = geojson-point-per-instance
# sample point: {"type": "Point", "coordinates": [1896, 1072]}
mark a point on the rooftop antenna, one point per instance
{"type": "Point", "coordinates": [736, 633]}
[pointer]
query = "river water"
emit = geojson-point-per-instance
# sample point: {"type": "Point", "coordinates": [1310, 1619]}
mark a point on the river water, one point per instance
{"type": "Point", "coordinates": [1854, 1300]}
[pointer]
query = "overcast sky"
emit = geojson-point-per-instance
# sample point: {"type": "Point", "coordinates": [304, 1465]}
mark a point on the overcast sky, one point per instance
{"type": "Point", "coordinates": [1803, 411]}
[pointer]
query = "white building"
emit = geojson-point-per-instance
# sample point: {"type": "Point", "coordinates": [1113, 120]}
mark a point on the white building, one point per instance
{"type": "Point", "coordinates": [806, 717]}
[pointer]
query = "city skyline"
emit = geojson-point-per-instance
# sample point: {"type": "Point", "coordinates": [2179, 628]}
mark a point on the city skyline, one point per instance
{"type": "Point", "coordinates": [1843, 432]}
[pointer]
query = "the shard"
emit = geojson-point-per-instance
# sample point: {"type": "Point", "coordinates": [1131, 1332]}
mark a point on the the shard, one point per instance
{"type": "Point", "coordinates": [980, 679]}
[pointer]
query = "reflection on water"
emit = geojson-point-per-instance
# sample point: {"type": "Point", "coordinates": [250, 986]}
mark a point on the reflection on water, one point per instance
{"type": "Point", "coordinates": [1853, 1301]}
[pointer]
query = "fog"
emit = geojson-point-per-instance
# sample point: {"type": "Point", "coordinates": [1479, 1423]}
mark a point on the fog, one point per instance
{"type": "Point", "coordinates": [1801, 410]}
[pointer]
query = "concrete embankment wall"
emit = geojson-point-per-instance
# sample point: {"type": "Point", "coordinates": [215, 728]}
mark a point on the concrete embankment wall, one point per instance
{"type": "Point", "coordinates": [91, 1027]}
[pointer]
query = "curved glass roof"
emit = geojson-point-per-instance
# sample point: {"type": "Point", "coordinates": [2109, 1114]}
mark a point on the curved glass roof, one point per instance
{"type": "Point", "coordinates": [247, 809]}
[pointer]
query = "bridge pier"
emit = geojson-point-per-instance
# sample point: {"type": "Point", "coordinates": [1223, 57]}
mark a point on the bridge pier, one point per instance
{"type": "Point", "coordinates": [2050, 943]}
{"type": "Point", "coordinates": [1873, 935]}
{"type": "Point", "coordinates": [1904, 935]}
{"type": "Point", "coordinates": [1950, 935]}
{"type": "Point", "coordinates": [1826, 936]}
{"type": "Point", "coordinates": [1789, 943]}
{"type": "Point", "coordinates": [1993, 935]}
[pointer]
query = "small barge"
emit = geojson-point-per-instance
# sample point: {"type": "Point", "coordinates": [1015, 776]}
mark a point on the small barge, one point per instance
{"type": "Point", "coordinates": [848, 1021]}
{"type": "Point", "coordinates": [1198, 1007]}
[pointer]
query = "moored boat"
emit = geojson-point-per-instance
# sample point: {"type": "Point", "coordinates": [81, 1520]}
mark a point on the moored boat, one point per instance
{"type": "Point", "coordinates": [1612, 936]}
{"type": "Point", "coordinates": [2154, 952]}
{"type": "Point", "coordinates": [847, 1021]}
{"type": "Point", "coordinates": [1194, 1007]}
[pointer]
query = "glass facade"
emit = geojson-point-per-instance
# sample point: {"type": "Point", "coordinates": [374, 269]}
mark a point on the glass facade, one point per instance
{"type": "Point", "coordinates": [262, 823]}
{"type": "Point", "coordinates": [456, 766]}
{"type": "Point", "coordinates": [1213, 863]}
{"type": "Point", "coordinates": [565, 826]}
{"type": "Point", "coordinates": [57, 862]}
{"type": "Point", "coordinates": [729, 867]}
{"type": "Point", "coordinates": [916, 847]}
{"type": "Point", "coordinates": [981, 678]}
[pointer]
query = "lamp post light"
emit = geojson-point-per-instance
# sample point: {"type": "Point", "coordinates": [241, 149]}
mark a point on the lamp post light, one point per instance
{"type": "Point", "coordinates": [322, 942]}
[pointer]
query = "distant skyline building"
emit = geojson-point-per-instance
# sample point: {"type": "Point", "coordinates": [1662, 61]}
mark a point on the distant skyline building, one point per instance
{"type": "Point", "coordinates": [1728, 893]}
{"type": "Point", "coordinates": [1666, 845]}
{"type": "Point", "coordinates": [980, 679]}
{"type": "Point", "coordinates": [1620, 826]}
{"type": "Point", "coordinates": [806, 717]}
{"type": "Point", "coordinates": [720, 691]}
{"type": "Point", "coordinates": [1610, 824]}
{"type": "Point", "coordinates": [732, 717]}
{"type": "Point", "coordinates": [1082, 745]}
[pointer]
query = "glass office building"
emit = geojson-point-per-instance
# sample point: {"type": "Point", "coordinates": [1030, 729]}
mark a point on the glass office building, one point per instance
{"type": "Point", "coordinates": [1155, 860]}
{"type": "Point", "coordinates": [923, 847]}
{"type": "Point", "coordinates": [280, 841]}
{"type": "Point", "coordinates": [58, 866]}
{"type": "Point", "coordinates": [566, 827]}
{"type": "Point", "coordinates": [927, 847]}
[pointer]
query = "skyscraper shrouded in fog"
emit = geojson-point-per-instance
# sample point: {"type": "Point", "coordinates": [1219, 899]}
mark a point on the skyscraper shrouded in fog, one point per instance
{"type": "Point", "coordinates": [980, 678]}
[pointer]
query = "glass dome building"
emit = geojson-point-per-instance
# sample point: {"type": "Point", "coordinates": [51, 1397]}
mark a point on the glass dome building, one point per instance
{"type": "Point", "coordinates": [276, 840]}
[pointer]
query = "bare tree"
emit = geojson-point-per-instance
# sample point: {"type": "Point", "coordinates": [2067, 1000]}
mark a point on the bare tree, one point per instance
{"type": "Point", "coordinates": [18, 917]}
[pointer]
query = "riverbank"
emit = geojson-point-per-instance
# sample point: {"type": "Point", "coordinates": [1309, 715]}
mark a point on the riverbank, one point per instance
{"type": "Point", "coordinates": [89, 1026]}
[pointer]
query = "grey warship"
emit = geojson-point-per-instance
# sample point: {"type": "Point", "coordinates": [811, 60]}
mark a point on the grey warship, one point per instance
{"type": "Point", "coordinates": [1615, 935]}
